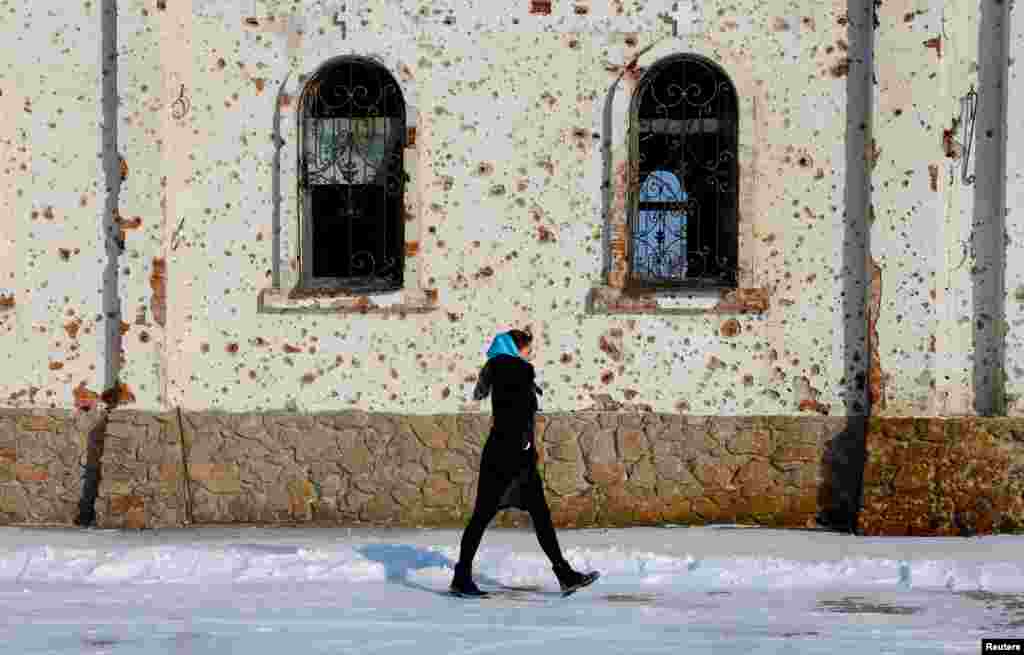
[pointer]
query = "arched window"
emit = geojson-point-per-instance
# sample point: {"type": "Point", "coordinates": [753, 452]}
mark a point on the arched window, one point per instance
{"type": "Point", "coordinates": [351, 177]}
{"type": "Point", "coordinates": [683, 212]}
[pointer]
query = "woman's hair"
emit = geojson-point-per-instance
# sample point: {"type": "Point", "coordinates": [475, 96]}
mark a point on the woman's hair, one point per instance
{"type": "Point", "coordinates": [522, 339]}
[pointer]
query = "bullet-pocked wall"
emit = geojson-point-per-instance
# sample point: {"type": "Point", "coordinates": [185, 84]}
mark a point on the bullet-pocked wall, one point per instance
{"type": "Point", "coordinates": [515, 209]}
{"type": "Point", "coordinates": [1014, 179]}
{"type": "Point", "coordinates": [52, 199]}
{"type": "Point", "coordinates": [508, 219]}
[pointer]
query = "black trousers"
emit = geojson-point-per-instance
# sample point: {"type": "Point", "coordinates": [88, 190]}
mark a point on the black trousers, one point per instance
{"type": "Point", "coordinates": [509, 479]}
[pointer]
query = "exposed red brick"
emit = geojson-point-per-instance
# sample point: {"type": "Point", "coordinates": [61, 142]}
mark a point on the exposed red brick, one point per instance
{"type": "Point", "coordinates": [814, 406]}
{"type": "Point", "coordinates": [231, 348]}
{"type": "Point", "coordinates": [936, 43]}
{"type": "Point", "coordinates": [876, 378]}
{"type": "Point", "coordinates": [540, 7]}
{"type": "Point", "coordinates": [85, 399]}
{"type": "Point", "coordinates": [158, 283]}
{"type": "Point", "coordinates": [288, 348]}
{"type": "Point", "coordinates": [133, 223]}
{"type": "Point", "coordinates": [753, 300]}
{"type": "Point", "coordinates": [950, 146]}
{"type": "Point", "coordinates": [118, 395]}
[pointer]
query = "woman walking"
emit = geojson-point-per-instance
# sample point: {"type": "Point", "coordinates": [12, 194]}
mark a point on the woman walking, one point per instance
{"type": "Point", "coordinates": [508, 465]}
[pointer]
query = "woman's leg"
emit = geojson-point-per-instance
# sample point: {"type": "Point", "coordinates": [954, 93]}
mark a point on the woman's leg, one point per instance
{"type": "Point", "coordinates": [540, 516]}
{"type": "Point", "coordinates": [488, 495]}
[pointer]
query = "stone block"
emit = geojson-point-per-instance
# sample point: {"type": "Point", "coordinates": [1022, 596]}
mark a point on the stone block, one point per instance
{"type": "Point", "coordinates": [633, 444]}
{"type": "Point", "coordinates": [801, 504]}
{"type": "Point", "coordinates": [39, 424]}
{"type": "Point", "coordinates": [899, 428]}
{"type": "Point", "coordinates": [9, 501]}
{"type": "Point", "coordinates": [566, 451]}
{"type": "Point", "coordinates": [677, 510]}
{"type": "Point", "coordinates": [8, 462]}
{"type": "Point", "coordinates": [31, 473]}
{"type": "Point", "coordinates": [788, 453]}
{"type": "Point", "coordinates": [757, 477]}
{"type": "Point", "coordinates": [767, 503]}
{"type": "Point", "coordinates": [438, 491]}
{"type": "Point", "coordinates": [301, 494]}
{"type": "Point", "coordinates": [599, 447]}
{"type": "Point", "coordinates": [605, 474]}
{"type": "Point", "coordinates": [914, 475]}
{"type": "Point", "coordinates": [430, 434]}
{"type": "Point", "coordinates": [751, 442]}
{"type": "Point", "coordinates": [407, 495]}
{"type": "Point", "coordinates": [643, 474]}
{"type": "Point", "coordinates": [404, 447]}
{"type": "Point", "coordinates": [573, 511]}
{"type": "Point", "coordinates": [125, 504]}
{"type": "Point", "coordinates": [564, 478]}
{"type": "Point", "coordinates": [217, 478]}
{"type": "Point", "coordinates": [380, 508]}
{"type": "Point", "coordinates": [706, 508]}
{"type": "Point", "coordinates": [713, 473]}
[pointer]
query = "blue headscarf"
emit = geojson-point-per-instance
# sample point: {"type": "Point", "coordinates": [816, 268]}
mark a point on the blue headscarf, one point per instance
{"type": "Point", "coordinates": [503, 345]}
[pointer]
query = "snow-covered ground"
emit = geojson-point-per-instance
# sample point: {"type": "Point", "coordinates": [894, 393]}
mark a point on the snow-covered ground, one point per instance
{"type": "Point", "coordinates": [262, 591]}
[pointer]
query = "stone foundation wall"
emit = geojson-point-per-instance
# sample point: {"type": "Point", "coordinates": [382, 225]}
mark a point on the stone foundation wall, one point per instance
{"type": "Point", "coordinates": [926, 476]}
{"type": "Point", "coordinates": [42, 455]}
{"type": "Point", "coordinates": [600, 469]}
{"type": "Point", "coordinates": [934, 476]}
{"type": "Point", "coordinates": [349, 468]}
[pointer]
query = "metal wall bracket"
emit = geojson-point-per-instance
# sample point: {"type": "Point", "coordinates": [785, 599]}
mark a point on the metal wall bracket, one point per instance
{"type": "Point", "coordinates": [968, 110]}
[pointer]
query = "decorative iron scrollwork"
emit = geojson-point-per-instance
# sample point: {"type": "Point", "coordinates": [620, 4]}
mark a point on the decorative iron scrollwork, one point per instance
{"type": "Point", "coordinates": [685, 194]}
{"type": "Point", "coordinates": [351, 152]}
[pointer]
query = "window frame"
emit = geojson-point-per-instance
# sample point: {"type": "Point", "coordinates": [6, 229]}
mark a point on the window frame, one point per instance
{"type": "Point", "coordinates": [307, 283]}
{"type": "Point", "coordinates": [633, 280]}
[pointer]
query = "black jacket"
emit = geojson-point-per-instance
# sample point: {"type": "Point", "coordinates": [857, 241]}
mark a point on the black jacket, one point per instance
{"type": "Point", "coordinates": [514, 401]}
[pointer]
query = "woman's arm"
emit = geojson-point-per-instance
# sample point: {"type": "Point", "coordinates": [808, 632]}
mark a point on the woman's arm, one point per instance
{"type": "Point", "coordinates": [483, 383]}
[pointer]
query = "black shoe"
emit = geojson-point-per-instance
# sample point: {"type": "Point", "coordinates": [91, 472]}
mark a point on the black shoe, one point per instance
{"type": "Point", "coordinates": [462, 583]}
{"type": "Point", "coordinates": [570, 580]}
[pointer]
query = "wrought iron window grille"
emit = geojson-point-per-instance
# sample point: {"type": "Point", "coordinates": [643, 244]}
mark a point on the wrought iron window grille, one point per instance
{"type": "Point", "coordinates": [683, 192]}
{"type": "Point", "coordinates": [352, 180]}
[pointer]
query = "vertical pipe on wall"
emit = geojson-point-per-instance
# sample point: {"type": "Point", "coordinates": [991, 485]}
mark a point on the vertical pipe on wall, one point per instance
{"type": "Point", "coordinates": [856, 233]}
{"type": "Point", "coordinates": [989, 223]}
{"type": "Point", "coordinates": [109, 350]}
{"type": "Point", "coordinates": [844, 464]}
{"type": "Point", "coordinates": [110, 347]}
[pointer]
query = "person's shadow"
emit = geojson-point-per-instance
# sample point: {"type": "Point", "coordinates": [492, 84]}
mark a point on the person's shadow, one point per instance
{"type": "Point", "coordinates": [399, 559]}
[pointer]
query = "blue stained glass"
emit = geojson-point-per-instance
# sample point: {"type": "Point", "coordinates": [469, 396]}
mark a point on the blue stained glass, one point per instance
{"type": "Point", "coordinates": [665, 252]}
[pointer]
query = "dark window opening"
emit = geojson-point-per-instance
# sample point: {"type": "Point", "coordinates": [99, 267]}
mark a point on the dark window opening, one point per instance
{"type": "Point", "coordinates": [683, 218]}
{"type": "Point", "coordinates": [351, 177]}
